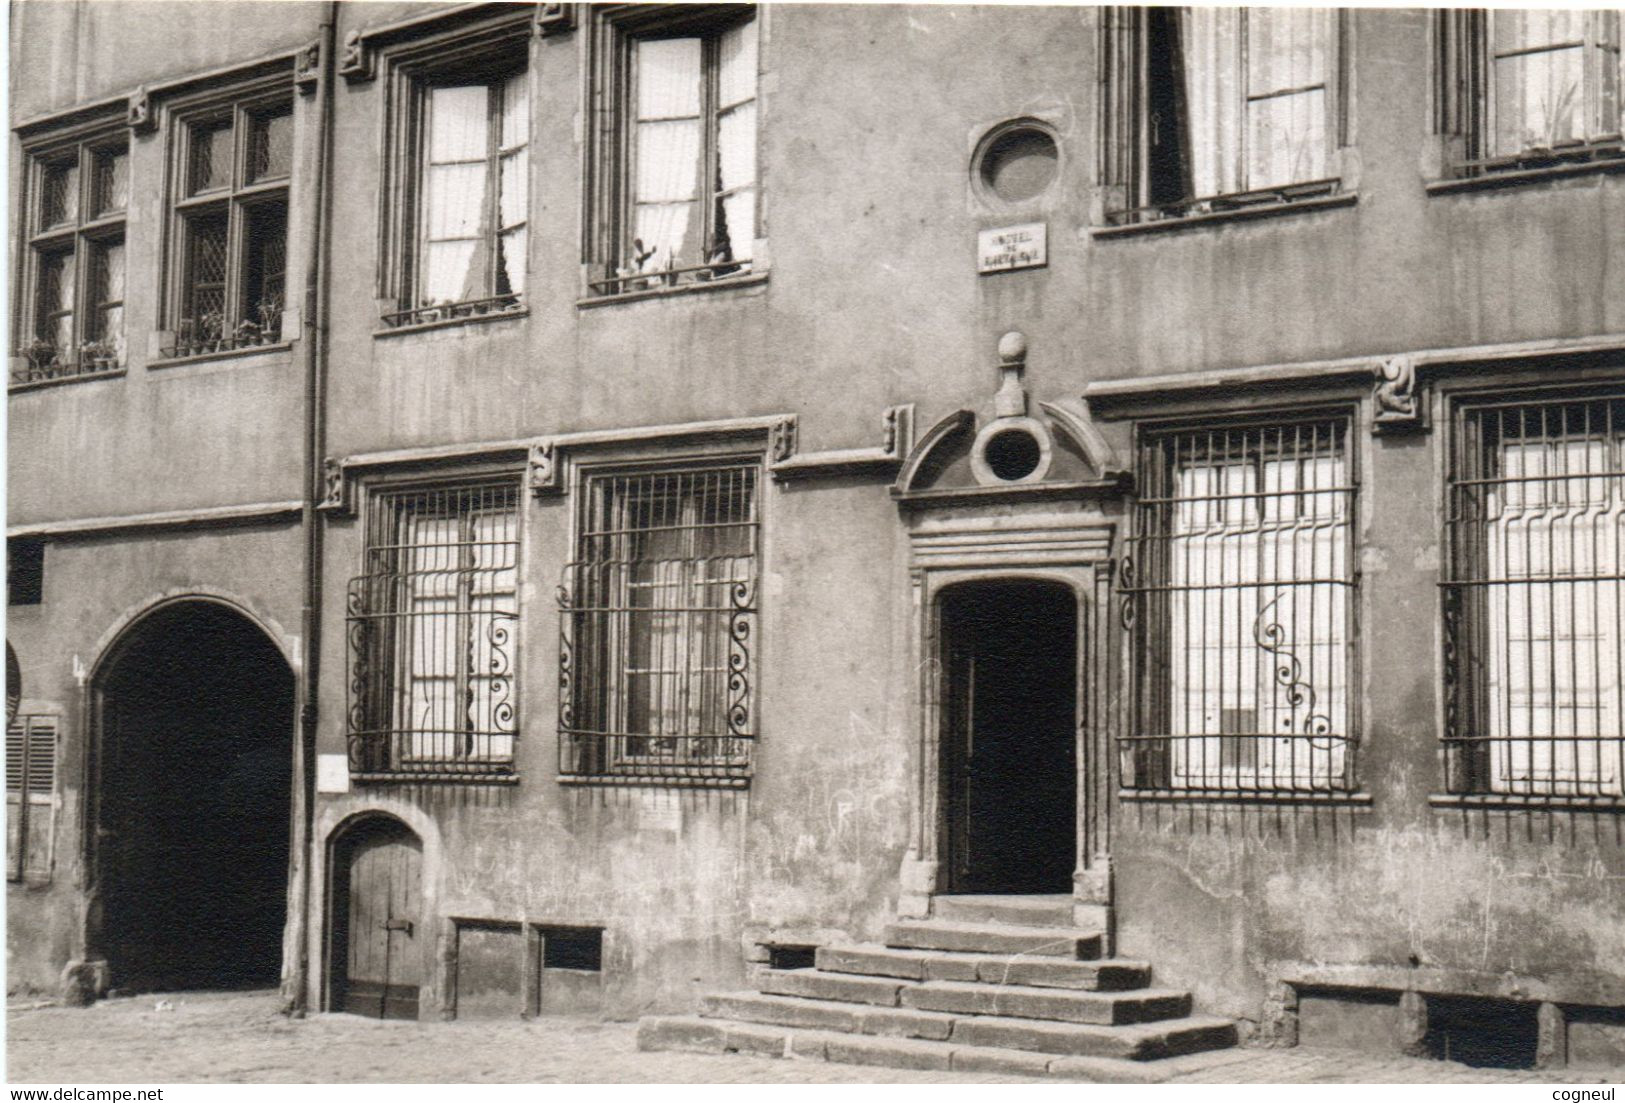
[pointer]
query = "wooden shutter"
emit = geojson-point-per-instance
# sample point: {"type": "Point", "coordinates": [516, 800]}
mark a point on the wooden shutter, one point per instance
{"type": "Point", "coordinates": [30, 797]}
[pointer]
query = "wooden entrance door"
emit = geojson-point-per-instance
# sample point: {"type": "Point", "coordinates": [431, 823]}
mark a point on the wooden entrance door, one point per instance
{"type": "Point", "coordinates": [381, 910]}
{"type": "Point", "coordinates": [1009, 737]}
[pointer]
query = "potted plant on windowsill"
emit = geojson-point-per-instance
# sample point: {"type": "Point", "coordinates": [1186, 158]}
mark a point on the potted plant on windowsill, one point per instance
{"type": "Point", "coordinates": [97, 356]}
{"type": "Point", "coordinates": [270, 323]}
{"type": "Point", "coordinates": [43, 360]}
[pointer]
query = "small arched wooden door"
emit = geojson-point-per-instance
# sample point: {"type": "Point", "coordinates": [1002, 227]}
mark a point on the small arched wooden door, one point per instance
{"type": "Point", "coordinates": [378, 943]}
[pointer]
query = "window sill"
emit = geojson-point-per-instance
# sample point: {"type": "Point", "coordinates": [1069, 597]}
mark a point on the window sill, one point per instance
{"type": "Point", "coordinates": [85, 377]}
{"type": "Point", "coordinates": [220, 354]}
{"type": "Point", "coordinates": [1240, 214]}
{"type": "Point", "coordinates": [452, 323]}
{"type": "Point", "coordinates": [440, 777]}
{"type": "Point", "coordinates": [1513, 802]}
{"type": "Point", "coordinates": [651, 780]}
{"type": "Point", "coordinates": [1231, 796]}
{"type": "Point", "coordinates": [698, 287]}
{"type": "Point", "coordinates": [1495, 181]}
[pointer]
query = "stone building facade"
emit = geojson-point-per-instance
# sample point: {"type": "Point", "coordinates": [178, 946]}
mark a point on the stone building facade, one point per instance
{"type": "Point", "coordinates": [534, 506]}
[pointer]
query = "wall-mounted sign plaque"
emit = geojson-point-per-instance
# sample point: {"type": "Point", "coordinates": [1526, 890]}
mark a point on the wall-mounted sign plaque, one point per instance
{"type": "Point", "coordinates": [1011, 247]}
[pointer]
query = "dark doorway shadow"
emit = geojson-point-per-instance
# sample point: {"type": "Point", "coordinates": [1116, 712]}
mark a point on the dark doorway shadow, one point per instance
{"type": "Point", "coordinates": [196, 723]}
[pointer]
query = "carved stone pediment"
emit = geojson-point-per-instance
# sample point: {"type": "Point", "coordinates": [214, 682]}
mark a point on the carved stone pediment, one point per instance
{"type": "Point", "coordinates": [1053, 451]}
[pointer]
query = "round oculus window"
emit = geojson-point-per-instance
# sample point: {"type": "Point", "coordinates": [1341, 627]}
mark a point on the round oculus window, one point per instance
{"type": "Point", "coordinates": [1020, 163]}
{"type": "Point", "coordinates": [1013, 454]}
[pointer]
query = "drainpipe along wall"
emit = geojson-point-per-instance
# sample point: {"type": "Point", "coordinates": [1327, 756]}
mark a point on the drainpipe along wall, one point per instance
{"type": "Point", "coordinates": [295, 994]}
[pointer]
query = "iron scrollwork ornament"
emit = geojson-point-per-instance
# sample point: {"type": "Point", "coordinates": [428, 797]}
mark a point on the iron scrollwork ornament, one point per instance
{"type": "Point", "coordinates": [739, 632]}
{"type": "Point", "coordinates": [1271, 637]}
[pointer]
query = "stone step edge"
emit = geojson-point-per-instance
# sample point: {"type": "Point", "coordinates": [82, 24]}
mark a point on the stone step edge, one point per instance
{"type": "Point", "coordinates": [700, 1035]}
{"type": "Point", "coordinates": [1023, 930]}
{"type": "Point", "coordinates": [980, 957]}
{"type": "Point", "coordinates": [1129, 1034]}
{"type": "Point", "coordinates": [978, 989]}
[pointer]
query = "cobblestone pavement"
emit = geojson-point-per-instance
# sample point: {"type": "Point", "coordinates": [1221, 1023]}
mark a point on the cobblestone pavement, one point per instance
{"type": "Point", "coordinates": [240, 1037]}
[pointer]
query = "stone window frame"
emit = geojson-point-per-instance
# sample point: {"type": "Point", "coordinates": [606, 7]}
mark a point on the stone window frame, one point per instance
{"type": "Point", "coordinates": [241, 101]}
{"type": "Point", "coordinates": [1463, 110]}
{"type": "Point", "coordinates": [611, 33]}
{"type": "Point", "coordinates": [408, 61]}
{"type": "Point", "coordinates": [1123, 205]}
{"type": "Point", "coordinates": [82, 236]}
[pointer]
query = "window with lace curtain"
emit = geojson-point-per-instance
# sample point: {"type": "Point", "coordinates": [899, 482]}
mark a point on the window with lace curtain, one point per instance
{"type": "Point", "coordinates": [1529, 89]}
{"type": "Point", "coordinates": [674, 152]}
{"type": "Point", "coordinates": [73, 274]}
{"type": "Point", "coordinates": [1216, 109]}
{"type": "Point", "coordinates": [467, 197]}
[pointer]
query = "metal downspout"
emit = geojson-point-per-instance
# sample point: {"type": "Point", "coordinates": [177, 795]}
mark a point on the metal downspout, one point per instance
{"type": "Point", "coordinates": [314, 316]}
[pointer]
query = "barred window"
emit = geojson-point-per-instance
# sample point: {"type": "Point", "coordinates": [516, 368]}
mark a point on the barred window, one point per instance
{"type": "Point", "coordinates": [658, 617]}
{"type": "Point", "coordinates": [433, 626]}
{"type": "Point", "coordinates": [1240, 603]}
{"type": "Point", "coordinates": [1535, 600]}
{"type": "Point", "coordinates": [30, 796]}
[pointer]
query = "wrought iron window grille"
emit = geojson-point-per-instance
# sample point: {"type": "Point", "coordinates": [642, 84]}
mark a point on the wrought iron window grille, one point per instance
{"type": "Point", "coordinates": [432, 636]}
{"type": "Point", "coordinates": [1533, 602]}
{"type": "Point", "coordinates": [1239, 602]}
{"type": "Point", "coordinates": [657, 619]}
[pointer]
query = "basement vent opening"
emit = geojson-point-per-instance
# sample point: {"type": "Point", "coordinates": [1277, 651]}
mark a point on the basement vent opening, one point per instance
{"type": "Point", "coordinates": [1484, 1033]}
{"type": "Point", "coordinates": [791, 957]}
{"type": "Point", "coordinates": [580, 948]}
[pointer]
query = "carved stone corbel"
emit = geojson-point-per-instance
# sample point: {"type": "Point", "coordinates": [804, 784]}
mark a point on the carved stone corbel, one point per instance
{"type": "Point", "coordinates": [782, 440]}
{"type": "Point", "coordinates": [552, 19]}
{"type": "Point", "coordinates": [307, 68]}
{"type": "Point", "coordinates": [138, 114]}
{"type": "Point", "coordinates": [355, 62]}
{"type": "Point", "coordinates": [1397, 404]}
{"type": "Point", "coordinates": [335, 488]}
{"type": "Point", "coordinates": [542, 469]}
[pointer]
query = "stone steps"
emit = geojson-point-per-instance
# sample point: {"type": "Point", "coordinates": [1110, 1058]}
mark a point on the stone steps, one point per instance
{"type": "Point", "coordinates": [1119, 1063]}
{"type": "Point", "coordinates": [1105, 975]}
{"type": "Point", "coordinates": [977, 998]}
{"type": "Point", "coordinates": [966, 989]}
{"type": "Point", "coordinates": [994, 938]}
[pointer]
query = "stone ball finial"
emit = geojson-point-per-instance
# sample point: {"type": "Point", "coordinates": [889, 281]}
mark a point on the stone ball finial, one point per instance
{"type": "Point", "coordinates": [1013, 347]}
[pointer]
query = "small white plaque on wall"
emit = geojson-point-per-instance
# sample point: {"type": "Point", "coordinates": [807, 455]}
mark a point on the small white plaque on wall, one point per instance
{"type": "Point", "coordinates": [1010, 247]}
{"type": "Point", "coordinates": [659, 810]}
{"type": "Point", "coordinates": [332, 773]}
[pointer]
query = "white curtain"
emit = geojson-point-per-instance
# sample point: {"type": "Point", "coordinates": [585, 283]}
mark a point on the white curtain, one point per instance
{"type": "Point", "coordinates": [513, 186]}
{"type": "Point", "coordinates": [670, 141]}
{"type": "Point", "coordinates": [1554, 625]}
{"type": "Point", "coordinates": [1249, 598]}
{"type": "Point", "coordinates": [454, 195]}
{"type": "Point", "coordinates": [1256, 96]}
{"type": "Point", "coordinates": [736, 141]}
{"type": "Point", "coordinates": [1557, 78]}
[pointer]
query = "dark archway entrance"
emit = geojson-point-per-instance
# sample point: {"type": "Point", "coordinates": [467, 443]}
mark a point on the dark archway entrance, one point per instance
{"type": "Point", "coordinates": [1009, 736]}
{"type": "Point", "coordinates": [377, 943]}
{"type": "Point", "coordinates": [196, 710]}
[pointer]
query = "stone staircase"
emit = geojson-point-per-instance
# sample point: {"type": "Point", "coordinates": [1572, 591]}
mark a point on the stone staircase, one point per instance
{"type": "Point", "coordinates": [987, 984]}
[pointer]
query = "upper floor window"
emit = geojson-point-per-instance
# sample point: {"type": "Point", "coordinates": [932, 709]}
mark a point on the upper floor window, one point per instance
{"type": "Point", "coordinates": [434, 623]}
{"type": "Point", "coordinates": [675, 194]}
{"type": "Point", "coordinates": [1535, 600]}
{"type": "Point", "coordinates": [1530, 89]}
{"type": "Point", "coordinates": [1214, 109]}
{"type": "Point", "coordinates": [658, 619]}
{"type": "Point", "coordinates": [467, 197]}
{"type": "Point", "coordinates": [233, 161]}
{"type": "Point", "coordinates": [1242, 589]}
{"type": "Point", "coordinates": [73, 275]}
